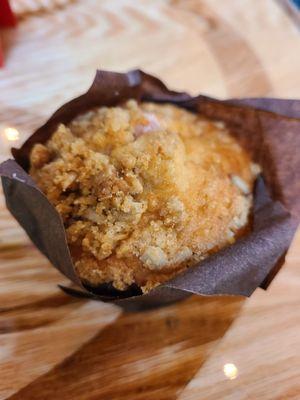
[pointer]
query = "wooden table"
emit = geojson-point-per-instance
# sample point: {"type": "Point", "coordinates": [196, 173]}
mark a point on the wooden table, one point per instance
{"type": "Point", "coordinates": [56, 347]}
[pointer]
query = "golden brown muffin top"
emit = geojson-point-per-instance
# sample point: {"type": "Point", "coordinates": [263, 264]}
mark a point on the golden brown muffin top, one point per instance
{"type": "Point", "coordinates": [144, 190]}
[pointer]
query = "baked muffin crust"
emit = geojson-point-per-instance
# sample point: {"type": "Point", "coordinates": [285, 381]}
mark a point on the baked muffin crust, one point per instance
{"type": "Point", "coordinates": [144, 190]}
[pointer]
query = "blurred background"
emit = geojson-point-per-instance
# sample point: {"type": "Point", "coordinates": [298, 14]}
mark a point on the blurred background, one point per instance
{"type": "Point", "coordinates": [226, 48]}
{"type": "Point", "coordinates": [211, 348]}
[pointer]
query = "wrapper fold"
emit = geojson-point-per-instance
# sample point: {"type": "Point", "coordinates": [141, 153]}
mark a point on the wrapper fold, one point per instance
{"type": "Point", "coordinates": [268, 128]}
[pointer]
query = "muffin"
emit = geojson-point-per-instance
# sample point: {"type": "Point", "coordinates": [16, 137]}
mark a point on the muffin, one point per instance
{"type": "Point", "coordinates": [144, 190]}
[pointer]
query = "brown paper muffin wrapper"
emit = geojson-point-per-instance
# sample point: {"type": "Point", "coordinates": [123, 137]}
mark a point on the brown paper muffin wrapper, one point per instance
{"type": "Point", "coordinates": [268, 128]}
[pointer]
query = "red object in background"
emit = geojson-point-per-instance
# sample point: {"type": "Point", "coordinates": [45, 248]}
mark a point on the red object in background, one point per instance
{"type": "Point", "coordinates": [7, 19]}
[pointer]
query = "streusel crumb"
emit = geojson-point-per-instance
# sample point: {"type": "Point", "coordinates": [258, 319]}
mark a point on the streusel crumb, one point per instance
{"type": "Point", "coordinates": [144, 190]}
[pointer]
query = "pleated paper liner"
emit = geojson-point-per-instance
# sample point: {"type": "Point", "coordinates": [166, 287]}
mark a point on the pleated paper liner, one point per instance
{"type": "Point", "coordinates": [268, 128]}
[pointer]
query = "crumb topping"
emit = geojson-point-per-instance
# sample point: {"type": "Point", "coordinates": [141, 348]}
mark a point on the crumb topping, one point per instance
{"type": "Point", "coordinates": [144, 190]}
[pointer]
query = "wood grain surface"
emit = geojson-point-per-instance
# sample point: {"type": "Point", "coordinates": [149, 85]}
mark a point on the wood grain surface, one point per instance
{"type": "Point", "coordinates": [56, 347]}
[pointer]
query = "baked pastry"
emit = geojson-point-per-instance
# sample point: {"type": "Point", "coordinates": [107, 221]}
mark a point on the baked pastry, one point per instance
{"type": "Point", "coordinates": [144, 190]}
